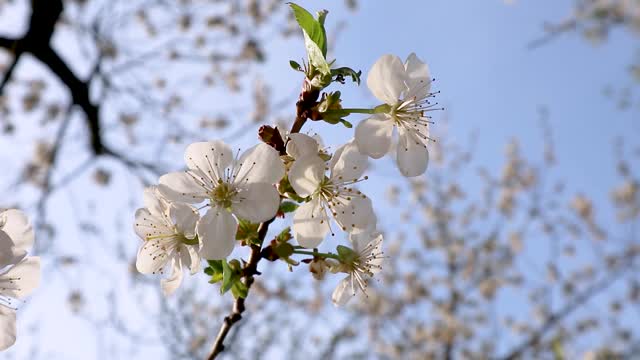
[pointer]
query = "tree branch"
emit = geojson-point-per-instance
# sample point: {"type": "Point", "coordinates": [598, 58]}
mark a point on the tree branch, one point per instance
{"type": "Point", "coordinates": [250, 269]}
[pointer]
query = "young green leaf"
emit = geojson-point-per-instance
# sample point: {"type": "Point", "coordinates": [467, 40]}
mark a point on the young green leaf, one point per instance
{"type": "Point", "coordinates": [312, 27]}
{"type": "Point", "coordinates": [239, 290]}
{"type": "Point", "coordinates": [227, 277]}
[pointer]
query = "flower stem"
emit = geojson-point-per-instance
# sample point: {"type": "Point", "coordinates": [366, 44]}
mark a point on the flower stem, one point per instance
{"type": "Point", "coordinates": [357, 111]}
{"type": "Point", "coordinates": [315, 253]}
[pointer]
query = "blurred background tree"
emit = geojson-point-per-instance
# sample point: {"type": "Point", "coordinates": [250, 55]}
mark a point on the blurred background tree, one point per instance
{"type": "Point", "coordinates": [508, 259]}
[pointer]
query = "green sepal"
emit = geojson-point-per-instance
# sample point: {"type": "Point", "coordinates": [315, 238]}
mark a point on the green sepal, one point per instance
{"type": "Point", "coordinates": [346, 124]}
{"type": "Point", "coordinates": [284, 250]}
{"type": "Point", "coordinates": [287, 207]}
{"type": "Point", "coordinates": [345, 253]}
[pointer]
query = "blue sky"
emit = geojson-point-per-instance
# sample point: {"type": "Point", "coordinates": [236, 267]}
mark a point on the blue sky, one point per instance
{"type": "Point", "coordinates": [490, 82]}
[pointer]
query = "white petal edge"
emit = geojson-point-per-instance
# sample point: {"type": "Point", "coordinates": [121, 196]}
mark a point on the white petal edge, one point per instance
{"type": "Point", "coordinates": [260, 163]}
{"type": "Point", "coordinates": [217, 233]}
{"type": "Point", "coordinates": [348, 162]}
{"type": "Point", "coordinates": [373, 135]}
{"type": "Point", "coordinates": [342, 293]}
{"type": "Point", "coordinates": [259, 202]}
{"type": "Point", "coordinates": [306, 174]}
{"type": "Point", "coordinates": [19, 229]}
{"type": "Point", "coordinates": [386, 79]}
{"type": "Point", "coordinates": [7, 327]}
{"type": "Point", "coordinates": [310, 225]}
{"type": "Point", "coordinates": [300, 145]}
{"type": "Point", "coordinates": [412, 155]}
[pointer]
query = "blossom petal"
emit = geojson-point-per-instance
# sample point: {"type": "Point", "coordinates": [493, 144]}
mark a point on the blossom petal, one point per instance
{"type": "Point", "coordinates": [210, 158]}
{"type": "Point", "coordinates": [348, 162]}
{"type": "Point", "coordinates": [386, 79]}
{"type": "Point", "coordinates": [373, 135]}
{"type": "Point", "coordinates": [183, 186]}
{"type": "Point", "coordinates": [185, 218]}
{"type": "Point", "coordinates": [300, 145]}
{"type": "Point", "coordinates": [147, 224]}
{"type": "Point", "coordinates": [152, 257]}
{"type": "Point", "coordinates": [343, 292]}
{"type": "Point", "coordinates": [21, 279]}
{"type": "Point", "coordinates": [418, 77]}
{"type": "Point", "coordinates": [259, 202]}
{"type": "Point", "coordinates": [355, 214]}
{"type": "Point", "coordinates": [260, 163]}
{"type": "Point", "coordinates": [153, 201]}
{"type": "Point", "coordinates": [413, 156]}
{"type": "Point", "coordinates": [18, 227]}
{"type": "Point", "coordinates": [194, 259]}
{"type": "Point", "coordinates": [310, 224]}
{"type": "Point", "coordinates": [171, 284]}
{"type": "Point", "coordinates": [7, 327]}
{"type": "Point", "coordinates": [217, 232]}
{"type": "Point", "coordinates": [9, 254]}
{"type": "Point", "coordinates": [306, 174]}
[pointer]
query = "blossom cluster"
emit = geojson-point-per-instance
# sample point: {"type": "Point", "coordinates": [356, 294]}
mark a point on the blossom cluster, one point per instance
{"type": "Point", "coordinates": [19, 273]}
{"type": "Point", "coordinates": [232, 190]}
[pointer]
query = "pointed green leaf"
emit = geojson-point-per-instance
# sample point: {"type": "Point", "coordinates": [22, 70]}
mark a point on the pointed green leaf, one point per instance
{"type": "Point", "coordinates": [295, 66]}
{"type": "Point", "coordinates": [227, 277]}
{"type": "Point", "coordinates": [312, 27]}
{"type": "Point", "coordinates": [239, 290]}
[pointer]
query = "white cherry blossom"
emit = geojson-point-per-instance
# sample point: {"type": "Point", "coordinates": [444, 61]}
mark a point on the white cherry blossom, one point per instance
{"type": "Point", "coordinates": [330, 196]}
{"type": "Point", "coordinates": [242, 187]}
{"type": "Point", "coordinates": [406, 90]}
{"type": "Point", "coordinates": [168, 230]}
{"type": "Point", "coordinates": [19, 273]}
{"type": "Point", "coordinates": [360, 264]}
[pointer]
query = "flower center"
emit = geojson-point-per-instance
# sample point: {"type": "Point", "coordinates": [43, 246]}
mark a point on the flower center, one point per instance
{"type": "Point", "coordinates": [223, 194]}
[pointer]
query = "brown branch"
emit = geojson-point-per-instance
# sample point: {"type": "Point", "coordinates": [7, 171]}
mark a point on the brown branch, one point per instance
{"type": "Point", "coordinates": [44, 16]}
{"type": "Point", "coordinates": [306, 101]}
{"type": "Point", "coordinates": [250, 269]}
{"type": "Point", "coordinates": [12, 45]}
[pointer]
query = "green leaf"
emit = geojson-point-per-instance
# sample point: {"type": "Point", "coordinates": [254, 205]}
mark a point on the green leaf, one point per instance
{"type": "Point", "coordinates": [227, 277]}
{"type": "Point", "coordinates": [340, 74]}
{"type": "Point", "coordinates": [239, 290]}
{"type": "Point", "coordinates": [247, 231]}
{"type": "Point", "coordinates": [313, 28]}
{"type": "Point", "coordinates": [287, 207]}
{"type": "Point", "coordinates": [316, 57]}
{"type": "Point", "coordinates": [216, 265]}
{"type": "Point", "coordinates": [295, 66]}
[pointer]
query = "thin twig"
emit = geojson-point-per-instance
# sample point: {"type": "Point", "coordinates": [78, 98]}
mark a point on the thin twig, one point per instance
{"type": "Point", "coordinates": [250, 269]}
